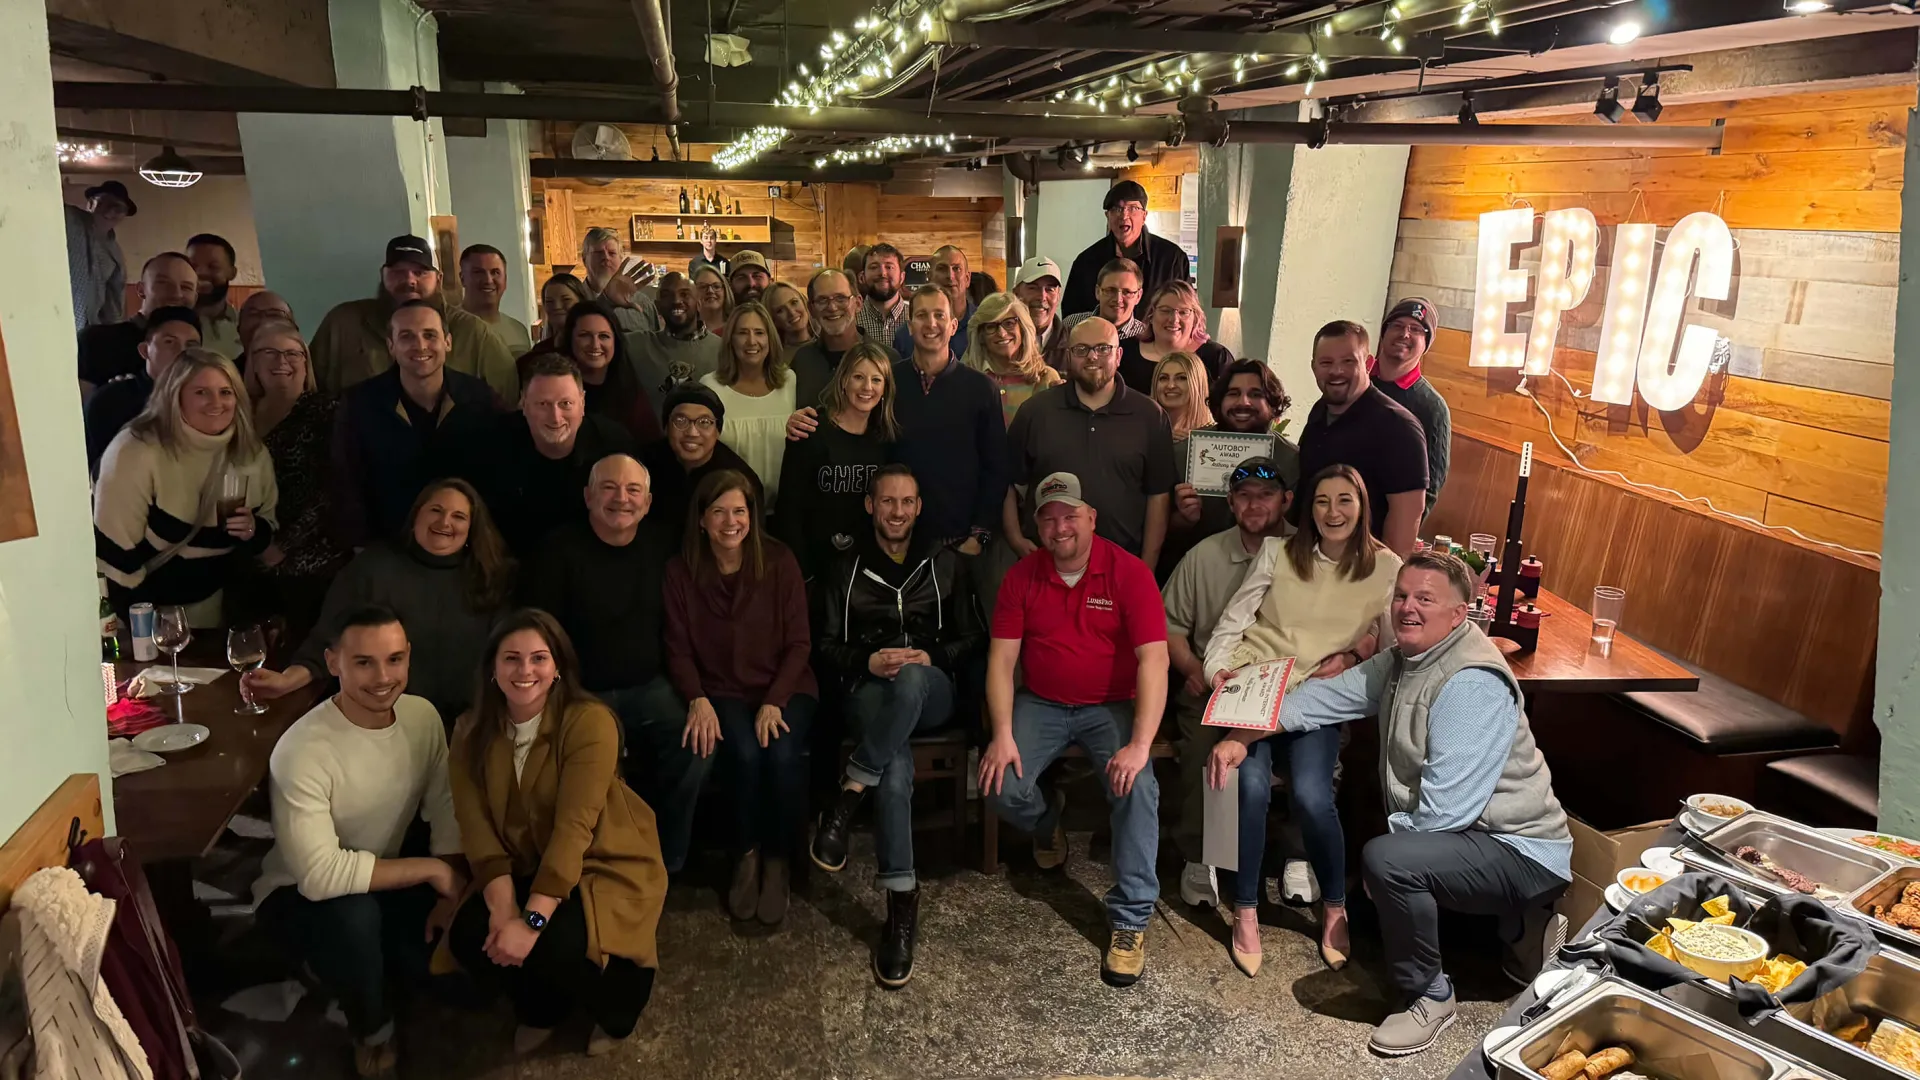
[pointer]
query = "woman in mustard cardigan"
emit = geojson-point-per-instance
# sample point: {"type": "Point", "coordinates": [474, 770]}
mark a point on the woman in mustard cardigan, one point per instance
{"type": "Point", "coordinates": [1317, 596]}
{"type": "Point", "coordinates": [564, 854]}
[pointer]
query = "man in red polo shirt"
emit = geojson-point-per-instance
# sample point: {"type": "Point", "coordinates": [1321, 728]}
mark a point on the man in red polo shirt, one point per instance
{"type": "Point", "coordinates": [1084, 621]}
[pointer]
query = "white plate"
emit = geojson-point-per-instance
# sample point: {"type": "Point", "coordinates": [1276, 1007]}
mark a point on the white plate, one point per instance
{"type": "Point", "coordinates": [168, 738]}
{"type": "Point", "coordinates": [1660, 860]}
{"type": "Point", "coordinates": [1849, 834]}
{"type": "Point", "coordinates": [1497, 1036]}
{"type": "Point", "coordinates": [1618, 898]}
{"type": "Point", "coordinates": [1554, 980]}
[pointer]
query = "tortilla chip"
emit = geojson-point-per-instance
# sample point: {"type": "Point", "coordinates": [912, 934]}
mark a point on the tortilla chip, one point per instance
{"type": "Point", "coordinates": [1678, 925]}
{"type": "Point", "coordinates": [1717, 907]}
{"type": "Point", "coordinates": [1721, 920]}
{"type": "Point", "coordinates": [1778, 973]}
{"type": "Point", "coordinates": [1662, 944]}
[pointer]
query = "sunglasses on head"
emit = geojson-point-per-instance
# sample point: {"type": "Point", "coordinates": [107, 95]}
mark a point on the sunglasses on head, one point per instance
{"type": "Point", "coordinates": [1254, 472]}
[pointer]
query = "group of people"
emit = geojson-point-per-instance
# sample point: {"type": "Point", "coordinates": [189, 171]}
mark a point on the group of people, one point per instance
{"type": "Point", "coordinates": [705, 516]}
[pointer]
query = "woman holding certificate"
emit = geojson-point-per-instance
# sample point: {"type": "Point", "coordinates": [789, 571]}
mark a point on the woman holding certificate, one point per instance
{"type": "Point", "coordinates": [1316, 597]}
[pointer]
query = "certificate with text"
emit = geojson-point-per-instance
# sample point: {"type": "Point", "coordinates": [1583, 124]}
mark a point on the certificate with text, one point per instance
{"type": "Point", "coordinates": [1213, 455]}
{"type": "Point", "coordinates": [1251, 698]}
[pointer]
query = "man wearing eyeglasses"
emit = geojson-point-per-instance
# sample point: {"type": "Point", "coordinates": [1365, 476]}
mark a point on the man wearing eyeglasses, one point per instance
{"type": "Point", "coordinates": [836, 308]}
{"type": "Point", "coordinates": [1160, 260]}
{"type": "Point", "coordinates": [1119, 294]}
{"type": "Point", "coordinates": [1115, 439]}
{"type": "Point", "coordinates": [691, 450]}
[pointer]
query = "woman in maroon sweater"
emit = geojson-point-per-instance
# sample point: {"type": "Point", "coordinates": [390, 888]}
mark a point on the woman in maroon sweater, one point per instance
{"type": "Point", "coordinates": [737, 648]}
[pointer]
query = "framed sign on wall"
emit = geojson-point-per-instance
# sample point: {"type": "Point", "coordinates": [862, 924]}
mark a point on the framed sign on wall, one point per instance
{"type": "Point", "coordinates": [1229, 249]}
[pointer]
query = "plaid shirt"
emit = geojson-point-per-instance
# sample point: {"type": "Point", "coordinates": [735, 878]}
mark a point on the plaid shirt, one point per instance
{"type": "Point", "coordinates": [878, 325]}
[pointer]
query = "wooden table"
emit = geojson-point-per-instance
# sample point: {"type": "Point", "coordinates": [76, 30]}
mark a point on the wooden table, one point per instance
{"type": "Point", "coordinates": [179, 810]}
{"type": "Point", "coordinates": [1566, 660]}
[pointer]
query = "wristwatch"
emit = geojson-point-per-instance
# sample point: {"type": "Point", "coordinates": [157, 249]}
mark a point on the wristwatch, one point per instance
{"type": "Point", "coordinates": [536, 921]}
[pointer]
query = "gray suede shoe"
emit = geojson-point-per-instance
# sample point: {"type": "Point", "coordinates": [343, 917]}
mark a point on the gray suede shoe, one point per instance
{"type": "Point", "coordinates": [1415, 1029]}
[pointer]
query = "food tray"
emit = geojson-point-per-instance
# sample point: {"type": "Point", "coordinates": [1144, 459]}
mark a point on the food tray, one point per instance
{"type": "Point", "coordinates": [1884, 892]}
{"type": "Point", "coordinates": [1889, 988]}
{"type": "Point", "coordinates": [1840, 865]}
{"type": "Point", "coordinates": [1668, 1040]}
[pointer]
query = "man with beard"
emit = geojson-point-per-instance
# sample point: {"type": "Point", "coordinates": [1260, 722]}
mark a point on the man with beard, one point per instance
{"type": "Point", "coordinates": [1115, 439]}
{"type": "Point", "coordinates": [389, 428]}
{"type": "Point", "coordinates": [351, 344]}
{"type": "Point", "coordinates": [1160, 260]}
{"type": "Point", "coordinates": [901, 627]}
{"type": "Point", "coordinates": [607, 281]}
{"type": "Point", "coordinates": [681, 351]}
{"type": "Point", "coordinates": [111, 350]}
{"type": "Point", "coordinates": [1404, 340]}
{"type": "Point", "coordinates": [1038, 286]}
{"type": "Point", "coordinates": [530, 466]}
{"type": "Point", "coordinates": [885, 308]}
{"type": "Point", "coordinates": [213, 264]}
{"type": "Point", "coordinates": [1355, 424]}
{"type": "Point", "coordinates": [1247, 398]}
{"type": "Point", "coordinates": [691, 450]}
{"type": "Point", "coordinates": [748, 276]}
{"type": "Point", "coordinates": [1473, 824]}
{"type": "Point", "coordinates": [170, 332]}
{"type": "Point", "coordinates": [483, 281]}
{"type": "Point", "coordinates": [256, 311]}
{"type": "Point", "coordinates": [830, 293]}
{"type": "Point", "coordinates": [96, 268]}
{"type": "Point", "coordinates": [602, 578]}
{"type": "Point", "coordinates": [951, 275]}
{"type": "Point", "coordinates": [339, 892]}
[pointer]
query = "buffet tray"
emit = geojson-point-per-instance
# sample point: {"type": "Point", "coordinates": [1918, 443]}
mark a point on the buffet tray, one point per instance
{"type": "Point", "coordinates": [1668, 1041]}
{"type": "Point", "coordinates": [1888, 989]}
{"type": "Point", "coordinates": [1884, 892]}
{"type": "Point", "coordinates": [1840, 865]}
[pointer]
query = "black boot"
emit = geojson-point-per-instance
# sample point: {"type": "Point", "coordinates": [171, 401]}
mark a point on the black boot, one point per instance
{"type": "Point", "coordinates": [893, 959]}
{"type": "Point", "coordinates": [829, 850]}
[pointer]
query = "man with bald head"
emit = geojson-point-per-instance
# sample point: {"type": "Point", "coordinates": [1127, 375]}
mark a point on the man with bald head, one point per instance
{"type": "Point", "coordinates": [111, 350]}
{"type": "Point", "coordinates": [603, 578]}
{"type": "Point", "coordinates": [1115, 439]}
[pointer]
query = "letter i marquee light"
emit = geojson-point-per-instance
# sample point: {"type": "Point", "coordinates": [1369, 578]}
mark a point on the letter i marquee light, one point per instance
{"type": "Point", "coordinates": [1644, 316]}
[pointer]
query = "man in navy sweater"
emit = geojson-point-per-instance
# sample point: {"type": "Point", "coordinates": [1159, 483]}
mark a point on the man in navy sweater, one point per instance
{"type": "Point", "coordinates": [952, 433]}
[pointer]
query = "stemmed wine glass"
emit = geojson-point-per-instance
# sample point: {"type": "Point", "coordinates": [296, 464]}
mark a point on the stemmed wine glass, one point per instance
{"type": "Point", "coordinates": [246, 650]}
{"type": "Point", "coordinates": [171, 632]}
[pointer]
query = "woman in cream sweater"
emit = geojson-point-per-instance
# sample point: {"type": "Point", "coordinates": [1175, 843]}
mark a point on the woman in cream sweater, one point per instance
{"type": "Point", "coordinates": [565, 856]}
{"type": "Point", "coordinates": [1318, 596]}
{"type": "Point", "coordinates": [158, 534]}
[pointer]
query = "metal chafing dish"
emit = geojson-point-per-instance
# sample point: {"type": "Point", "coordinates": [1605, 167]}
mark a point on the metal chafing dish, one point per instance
{"type": "Point", "coordinates": [1888, 989]}
{"type": "Point", "coordinates": [1843, 867]}
{"type": "Point", "coordinates": [1668, 1041]}
{"type": "Point", "coordinates": [1885, 892]}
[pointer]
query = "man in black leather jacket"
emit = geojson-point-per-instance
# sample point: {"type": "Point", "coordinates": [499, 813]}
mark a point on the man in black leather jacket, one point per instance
{"type": "Point", "coordinates": [900, 626]}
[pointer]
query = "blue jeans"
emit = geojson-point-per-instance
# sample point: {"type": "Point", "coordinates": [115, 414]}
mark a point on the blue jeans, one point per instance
{"type": "Point", "coordinates": [1042, 729]}
{"type": "Point", "coordinates": [667, 775]}
{"type": "Point", "coordinates": [1311, 756]}
{"type": "Point", "coordinates": [770, 800]}
{"type": "Point", "coordinates": [887, 713]}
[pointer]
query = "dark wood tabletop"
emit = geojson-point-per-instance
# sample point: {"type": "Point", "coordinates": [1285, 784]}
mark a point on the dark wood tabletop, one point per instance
{"type": "Point", "coordinates": [179, 810]}
{"type": "Point", "coordinates": [1566, 660]}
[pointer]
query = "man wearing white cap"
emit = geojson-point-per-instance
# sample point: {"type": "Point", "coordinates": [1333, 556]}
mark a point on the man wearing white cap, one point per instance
{"type": "Point", "coordinates": [1084, 622]}
{"type": "Point", "coordinates": [1038, 286]}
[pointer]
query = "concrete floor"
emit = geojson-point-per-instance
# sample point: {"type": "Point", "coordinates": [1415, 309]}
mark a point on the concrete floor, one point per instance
{"type": "Point", "coordinates": [1006, 985]}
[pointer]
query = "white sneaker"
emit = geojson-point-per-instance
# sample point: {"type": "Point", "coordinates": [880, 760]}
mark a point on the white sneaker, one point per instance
{"type": "Point", "coordinates": [1198, 887]}
{"type": "Point", "coordinates": [1298, 886]}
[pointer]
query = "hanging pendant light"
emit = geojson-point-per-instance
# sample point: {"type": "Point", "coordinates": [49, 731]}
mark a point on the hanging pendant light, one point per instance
{"type": "Point", "coordinates": [168, 169]}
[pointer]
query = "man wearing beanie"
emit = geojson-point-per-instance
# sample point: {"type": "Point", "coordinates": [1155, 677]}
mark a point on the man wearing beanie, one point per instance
{"type": "Point", "coordinates": [1405, 337]}
{"type": "Point", "coordinates": [692, 416]}
{"type": "Point", "coordinates": [1160, 260]}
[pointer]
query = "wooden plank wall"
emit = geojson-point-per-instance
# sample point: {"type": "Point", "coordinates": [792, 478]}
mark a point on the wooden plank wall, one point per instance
{"type": "Point", "coordinates": [1794, 432]}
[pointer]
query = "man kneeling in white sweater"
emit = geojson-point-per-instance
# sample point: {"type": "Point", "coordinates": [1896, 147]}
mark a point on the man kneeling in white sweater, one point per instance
{"type": "Point", "coordinates": [349, 778]}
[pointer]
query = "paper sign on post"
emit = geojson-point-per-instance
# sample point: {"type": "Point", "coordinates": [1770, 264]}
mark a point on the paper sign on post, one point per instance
{"type": "Point", "coordinates": [1251, 698]}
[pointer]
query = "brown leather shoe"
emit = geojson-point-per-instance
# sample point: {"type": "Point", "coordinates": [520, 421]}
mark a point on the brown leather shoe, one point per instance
{"type": "Point", "coordinates": [773, 892]}
{"type": "Point", "coordinates": [743, 896]}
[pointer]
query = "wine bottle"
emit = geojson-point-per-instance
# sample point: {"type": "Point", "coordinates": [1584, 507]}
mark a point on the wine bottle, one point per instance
{"type": "Point", "coordinates": [683, 200]}
{"type": "Point", "coordinates": [679, 230]}
{"type": "Point", "coordinates": [109, 625]}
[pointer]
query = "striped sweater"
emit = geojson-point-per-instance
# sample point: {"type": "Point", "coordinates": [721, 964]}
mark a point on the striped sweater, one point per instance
{"type": "Point", "coordinates": [148, 498]}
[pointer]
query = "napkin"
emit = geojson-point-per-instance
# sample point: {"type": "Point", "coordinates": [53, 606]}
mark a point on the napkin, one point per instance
{"type": "Point", "coordinates": [149, 681]}
{"type": "Point", "coordinates": [124, 759]}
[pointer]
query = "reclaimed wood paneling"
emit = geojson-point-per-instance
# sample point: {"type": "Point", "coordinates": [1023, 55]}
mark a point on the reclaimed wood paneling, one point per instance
{"type": "Point", "coordinates": [1783, 621]}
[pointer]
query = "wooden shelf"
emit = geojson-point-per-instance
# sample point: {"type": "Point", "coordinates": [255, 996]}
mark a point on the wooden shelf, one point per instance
{"type": "Point", "coordinates": [717, 244]}
{"type": "Point", "coordinates": [708, 217]}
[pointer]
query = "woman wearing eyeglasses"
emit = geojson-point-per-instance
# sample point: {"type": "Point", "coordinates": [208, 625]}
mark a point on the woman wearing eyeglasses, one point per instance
{"type": "Point", "coordinates": [1175, 323]}
{"type": "Point", "coordinates": [712, 298]}
{"type": "Point", "coordinates": [1001, 344]}
{"type": "Point", "coordinates": [1319, 596]}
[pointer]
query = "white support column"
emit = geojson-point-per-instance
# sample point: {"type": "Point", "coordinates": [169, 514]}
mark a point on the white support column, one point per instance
{"type": "Point", "coordinates": [491, 197]}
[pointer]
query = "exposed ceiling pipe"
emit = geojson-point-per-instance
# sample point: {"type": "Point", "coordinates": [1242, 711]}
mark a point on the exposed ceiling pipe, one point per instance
{"type": "Point", "coordinates": [653, 31]}
{"type": "Point", "coordinates": [572, 168]}
{"type": "Point", "coordinates": [1315, 133]}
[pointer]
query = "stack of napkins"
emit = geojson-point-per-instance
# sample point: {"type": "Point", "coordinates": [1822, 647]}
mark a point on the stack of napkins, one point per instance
{"type": "Point", "coordinates": [124, 759]}
{"type": "Point", "coordinates": [149, 681]}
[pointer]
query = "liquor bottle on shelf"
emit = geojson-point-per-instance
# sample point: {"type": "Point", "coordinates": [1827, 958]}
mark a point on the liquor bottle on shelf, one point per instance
{"type": "Point", "coordinates": [683, 200]}
{"type": "Point", "coordinates": [736, 207]}
{"type": "Point", "coordinates": [679, 230]}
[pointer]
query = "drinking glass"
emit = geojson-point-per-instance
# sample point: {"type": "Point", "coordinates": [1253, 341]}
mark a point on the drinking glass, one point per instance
{"type": "Point", "coordinates": [1482, 543]}
{"type": "Point", "coordinates": [1608, 602]}
{"type": "Point", "coordinates": [233, 495]}
{"type": "Point", "coordinates": [246, 650]}
{"type": "Point", "coordinates": [171, 632]}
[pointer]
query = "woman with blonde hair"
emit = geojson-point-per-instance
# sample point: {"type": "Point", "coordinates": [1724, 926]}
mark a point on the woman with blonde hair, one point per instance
{"type": "Point", "coordinates": [1180, 389]}
{"type": "Point", "coordinates": [712, 298]}
{"type": "Point", "coordinates": [756, 389]}
{"type": "Point", "coordinates": [1175, 323]}
{"type": "Point", "coordinates": [790, 313]}
{"type": "Point", "coordinates": [823, 489]}
{"type": "Point", "coordinates": [1001, 343]}
{"type": "Point", "coordinates": [159, 534]}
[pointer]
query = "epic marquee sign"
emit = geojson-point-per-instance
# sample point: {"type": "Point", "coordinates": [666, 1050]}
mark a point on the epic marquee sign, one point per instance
{"type": "Point", "coordinates": [1643, 321]}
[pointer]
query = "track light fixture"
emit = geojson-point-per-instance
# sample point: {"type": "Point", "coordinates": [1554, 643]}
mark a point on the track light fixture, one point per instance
{"type": "Point", "coordinates": [1646, 103]}
{"type": "Point", "coordinates": [1608, 106]}
{"type": "Point", "coordinates": [1467, 115]}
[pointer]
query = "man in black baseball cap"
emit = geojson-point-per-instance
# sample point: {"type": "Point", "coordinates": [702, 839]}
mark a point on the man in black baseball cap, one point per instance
{"type": "Point", "coordinates": [693, 417]}
{"type": "Point", "coordinates": [1405, 336]}
{"type": "Point", "coordinates": [351, 344]}
{"type": "Point", "coordinates": [1160, 260]}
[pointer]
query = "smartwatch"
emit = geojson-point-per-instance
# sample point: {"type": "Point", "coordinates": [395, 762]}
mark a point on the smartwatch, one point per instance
{"type": "Point", "coordinates": [536, 921]}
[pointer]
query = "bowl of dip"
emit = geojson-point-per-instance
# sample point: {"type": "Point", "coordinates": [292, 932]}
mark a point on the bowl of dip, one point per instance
{"type": "Point", "coordinates": [1720, 952]}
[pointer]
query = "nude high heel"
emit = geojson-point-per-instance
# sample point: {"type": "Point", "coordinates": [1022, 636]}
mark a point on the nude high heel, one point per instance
{"type": "Point", "coordinates": [1334, 942]}
{"type": "Point", "coordinates": [1246, 921]}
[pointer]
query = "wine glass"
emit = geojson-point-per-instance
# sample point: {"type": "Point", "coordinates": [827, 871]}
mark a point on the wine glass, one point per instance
{"type": "Point", "coordinates": [246, 650]}
{"type": "Point", "coordinates": [171, 632]}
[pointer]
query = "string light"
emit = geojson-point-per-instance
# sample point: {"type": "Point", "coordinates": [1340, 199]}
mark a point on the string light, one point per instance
{"type": "Point", "coordinates": [71, 153]}
{"type": "Point", "coordinates": [880, 148]}
{"type": "Point", "coordinates": [749, 147]}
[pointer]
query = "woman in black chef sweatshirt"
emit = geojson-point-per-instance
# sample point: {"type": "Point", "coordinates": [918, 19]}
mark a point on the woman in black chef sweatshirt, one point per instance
{"type": "Point", "coordinates": [823, 478]}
